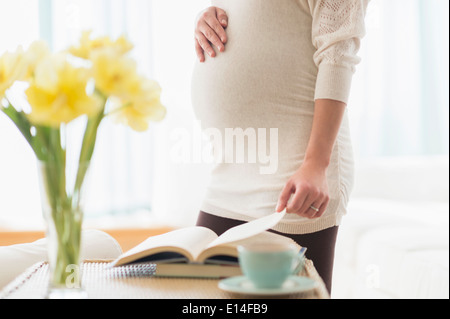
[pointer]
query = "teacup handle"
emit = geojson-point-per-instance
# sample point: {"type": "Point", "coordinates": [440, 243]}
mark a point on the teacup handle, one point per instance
{"type": "Point", "coordinates": [300, 261]}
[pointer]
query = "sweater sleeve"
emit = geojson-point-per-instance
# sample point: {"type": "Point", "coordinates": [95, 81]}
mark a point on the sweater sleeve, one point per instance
{"type": "Point", "coordinates": [337, 30]}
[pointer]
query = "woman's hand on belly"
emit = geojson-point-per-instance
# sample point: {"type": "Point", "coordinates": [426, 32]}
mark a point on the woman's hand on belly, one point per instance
{"type": "Point", "coordinates": [210, 31]}
{"type": "Point", "coordinates": [306, 194]}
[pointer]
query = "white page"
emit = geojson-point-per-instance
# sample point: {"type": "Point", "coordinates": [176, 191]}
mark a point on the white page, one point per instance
{"type": "Point", "coordinates": [249, 230]}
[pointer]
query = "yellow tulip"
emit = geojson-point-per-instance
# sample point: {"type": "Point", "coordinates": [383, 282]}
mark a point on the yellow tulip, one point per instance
{"type": "Point", "coordinates": [88, 46]}
{"type": "Point", "coordinates": [37, 52]}
{"type": "Point", "coordinates": [114, 74]}
{"type": "Point", "coordinates": [13, 67]}
{"type": "Point", "coordinates": [58, 93]}
{"type": "Point", "coordinates": [143, 106]}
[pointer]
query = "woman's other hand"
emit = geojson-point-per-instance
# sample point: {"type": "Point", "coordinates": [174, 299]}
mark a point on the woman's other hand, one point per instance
{"type": "Point", "coordinates": [309, 186]}
{"type": "Point", "coordinates": [210, 31]}
{"type": "Point", "coordinates": [309, 191]}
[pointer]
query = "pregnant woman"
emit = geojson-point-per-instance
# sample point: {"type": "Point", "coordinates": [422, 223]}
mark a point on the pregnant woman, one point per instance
{"type": "Point", "coordinates": [285, 65]}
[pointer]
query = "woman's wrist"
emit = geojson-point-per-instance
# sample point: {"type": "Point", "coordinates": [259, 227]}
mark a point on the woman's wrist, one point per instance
{"type": "Point", "coordinates": [328, 117]}
{"type": "Point", "coordinates": [318, 162]}
{"type": "Point", "coordinates": [318, 154]}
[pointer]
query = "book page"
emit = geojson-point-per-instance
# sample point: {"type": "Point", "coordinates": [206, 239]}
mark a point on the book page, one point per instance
{"type": "Point", "coordinates": [249, 230]}
{"type": "Point", "coordinates": [192, 240]}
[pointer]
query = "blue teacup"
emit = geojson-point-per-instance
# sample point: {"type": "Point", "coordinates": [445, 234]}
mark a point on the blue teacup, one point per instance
{"type": "Point", "coordinates": [269, 265]}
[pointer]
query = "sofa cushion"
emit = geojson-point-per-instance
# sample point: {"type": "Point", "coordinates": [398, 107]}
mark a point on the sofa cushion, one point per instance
{"type": "Point", "coordinates": [403, 262]}
{"type": "Point", "coordinates": [367, 214]}
{"type": "Point", "coordinates": [412, 179]}
{"type": "Point", "coordinates": [368, 218]}
{"type": "Point", "coordinates": [96, 245]}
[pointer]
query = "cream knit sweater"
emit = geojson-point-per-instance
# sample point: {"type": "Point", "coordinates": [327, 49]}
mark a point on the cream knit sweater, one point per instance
{"type": "Point", "coordinates": [281, 56]}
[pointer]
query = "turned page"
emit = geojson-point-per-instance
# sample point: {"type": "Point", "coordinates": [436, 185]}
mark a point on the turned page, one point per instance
{"type": "Point", "coordinates": [248, 230]}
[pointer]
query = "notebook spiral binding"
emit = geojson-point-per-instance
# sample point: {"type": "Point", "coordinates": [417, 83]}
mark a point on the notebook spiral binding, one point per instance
{"type": "Point", "coordinates": [133, 271]}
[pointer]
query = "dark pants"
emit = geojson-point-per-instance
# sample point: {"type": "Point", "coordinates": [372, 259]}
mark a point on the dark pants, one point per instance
{"type": "Point", "coordinates": [321, 245]}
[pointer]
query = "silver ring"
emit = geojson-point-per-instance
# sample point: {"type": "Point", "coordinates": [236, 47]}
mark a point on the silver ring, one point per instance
{"type": "Point", "coordinates": [315, 209]}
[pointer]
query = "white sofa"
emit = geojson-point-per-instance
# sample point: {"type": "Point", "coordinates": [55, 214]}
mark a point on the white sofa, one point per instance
{"type": "Point", "coordinates": [14, 260]}
{"type": "Point", "coordinates": [394, 243]}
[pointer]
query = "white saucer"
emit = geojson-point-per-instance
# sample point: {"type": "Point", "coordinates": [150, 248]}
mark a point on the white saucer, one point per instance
{"type": "Point", "coordinates": [241, 285]}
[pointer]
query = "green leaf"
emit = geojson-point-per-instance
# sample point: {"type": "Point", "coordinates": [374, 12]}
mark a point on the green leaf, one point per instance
{"type": "Point", "coordinates": [23, 124]}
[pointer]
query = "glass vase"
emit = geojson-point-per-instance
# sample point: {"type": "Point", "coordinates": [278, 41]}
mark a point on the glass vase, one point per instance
{"type": "Point", "coordinates": [63, 214]}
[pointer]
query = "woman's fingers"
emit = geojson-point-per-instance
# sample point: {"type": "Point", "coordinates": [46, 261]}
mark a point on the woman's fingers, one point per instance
{"type": "Point", "coordinates": [311, 195]}
{"type": "Point", "coordinates": [210, 31]}
{"type": "Point", "coordinates": [297, 202]}
{"type": "Point", "coordinates": [315, 208]}
{"type": "Point", "coordinates": [307, 210]}
{"type": "Point", "coordinates": [222, 17]}
{"type": "Point", "coordinates": [308, 202]}
{"type": "Point", "coordinates": [284, 197]}
{"type": "Point", "coordinates": [205, 44]}
{"type": "Point", "coordinates": [218, 35]}
{"type": "Point", "coordinates": [199, 51]}
{"type": "Point", "coordinates": [207, 29]}
{"type": "Point", "coordinates": [323, 208]}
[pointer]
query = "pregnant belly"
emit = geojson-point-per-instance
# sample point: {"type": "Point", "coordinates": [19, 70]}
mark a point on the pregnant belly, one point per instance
{"type": "Point", "coordinates": [233, 84]}
{"type": "Point", "coordinates": [267, 67]}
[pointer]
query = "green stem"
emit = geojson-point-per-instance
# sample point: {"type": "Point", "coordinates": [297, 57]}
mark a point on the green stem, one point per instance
{"type": "Point", "coordinates": [87, 149]}
{"type": "Point", "coordinates": [65, 214]}
{"type": "Point", "coordinates": [68, 216]}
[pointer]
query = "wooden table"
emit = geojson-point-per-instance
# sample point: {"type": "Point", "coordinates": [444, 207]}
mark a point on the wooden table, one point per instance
{"type": "Point", "coordinates": [101, 282]}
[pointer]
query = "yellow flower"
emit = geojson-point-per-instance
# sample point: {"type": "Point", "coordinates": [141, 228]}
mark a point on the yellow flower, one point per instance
{"type": "Point", "coordinates": [20, 66]}
{"type": "Point", "coordinates": [114, 74]}
{"type": "Point", "coordinates": [37, 52]}
{"type": "Point", "coordinates": [143, 106]}
{"type": "Point", "coordinates": [13, 67]}
{"type": "Point", "coordinates": [58, 93]}
{"type": "Point", "coordinates": [88, 46]}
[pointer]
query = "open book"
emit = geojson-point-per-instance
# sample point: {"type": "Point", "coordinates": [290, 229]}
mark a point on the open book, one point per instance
{"type": "Point", "coordinates": [199, 246]}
